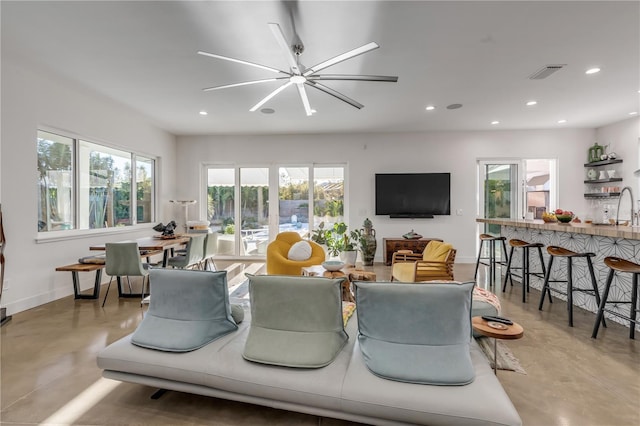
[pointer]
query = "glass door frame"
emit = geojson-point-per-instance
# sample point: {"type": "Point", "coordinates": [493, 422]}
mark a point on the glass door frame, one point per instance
{"type": "Point", "coordinates": [519, 192]}
{"type": "Point", "coordinates": [517, 206]}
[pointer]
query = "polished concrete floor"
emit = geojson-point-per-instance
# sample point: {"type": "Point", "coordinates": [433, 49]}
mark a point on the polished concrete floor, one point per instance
{"type": "Point", "coordinates": [49, 373]}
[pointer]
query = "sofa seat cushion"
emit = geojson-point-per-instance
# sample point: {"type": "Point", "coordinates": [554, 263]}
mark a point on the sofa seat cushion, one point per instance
{"type": "Point", "coordinates": [416, 333]}
{"type": "Point", "coordinates": [296, 321]}
{"type": "Point", "coordinates": [188, 310]}
{"type": "Point", "coordinates": [404, 271]}
{"type": "Point", "coordinates": [221, 366]}
{"type": "Point", "coordinates": [409, 403]}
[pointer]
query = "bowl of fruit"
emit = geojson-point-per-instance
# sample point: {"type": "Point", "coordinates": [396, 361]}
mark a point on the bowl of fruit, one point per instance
{"type": "Point", "coordinates": [564, 216]}
{"type": "Point", "coordinates": [549, 217]}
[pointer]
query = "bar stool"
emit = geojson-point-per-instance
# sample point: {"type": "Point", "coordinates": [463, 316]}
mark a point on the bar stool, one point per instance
{"type": "Point", "coordinates": [491, 239]}
{"type": "Point", "coordinates": [620, 265]}
{"type": "Point", "coordinates": [555, 251]}
{"type": "Point", "coordinates": [526, 272]}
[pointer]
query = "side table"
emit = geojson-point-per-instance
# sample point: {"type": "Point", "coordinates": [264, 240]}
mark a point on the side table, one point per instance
{"type": "Point", "coordinates": [490, 329]}
{"type": "Point", "coordinates": [351, 274]}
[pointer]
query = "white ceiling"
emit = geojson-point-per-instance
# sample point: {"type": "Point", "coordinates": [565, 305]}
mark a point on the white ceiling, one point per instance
{"type": "Point", "coordinates": [479, 54]}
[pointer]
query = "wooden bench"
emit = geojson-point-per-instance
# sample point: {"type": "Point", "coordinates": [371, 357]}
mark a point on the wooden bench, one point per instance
{"type": "Point", "coordinates": [84, 267]}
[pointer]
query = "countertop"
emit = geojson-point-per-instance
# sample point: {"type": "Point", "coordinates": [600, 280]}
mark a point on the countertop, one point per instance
{"type": "Point", "coordinates": [627, 232]}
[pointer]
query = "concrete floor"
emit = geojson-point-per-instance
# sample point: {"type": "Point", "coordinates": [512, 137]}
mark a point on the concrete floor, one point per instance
{"type": "Point", "coordinates": [49, 374]}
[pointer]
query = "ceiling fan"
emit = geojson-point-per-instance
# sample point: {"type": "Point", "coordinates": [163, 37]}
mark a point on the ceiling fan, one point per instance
{"type": "Point", "coordinates": [300, 76]}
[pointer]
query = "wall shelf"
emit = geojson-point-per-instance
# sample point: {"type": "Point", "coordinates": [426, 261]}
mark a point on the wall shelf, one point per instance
{"type": "Point", "coordinates": [603, 163]}
{"type": "Point", "coordinates": [602, 195]}
{"type": "Point", "coordinates": [603, 180]}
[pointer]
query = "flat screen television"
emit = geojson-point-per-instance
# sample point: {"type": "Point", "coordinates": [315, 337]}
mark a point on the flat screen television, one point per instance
{"type": "Point", "coordinates": [413, 195]}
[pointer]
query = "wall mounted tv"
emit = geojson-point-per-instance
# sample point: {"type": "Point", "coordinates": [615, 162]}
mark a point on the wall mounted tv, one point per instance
{"type": "Point", "coordinates": [413, 195]}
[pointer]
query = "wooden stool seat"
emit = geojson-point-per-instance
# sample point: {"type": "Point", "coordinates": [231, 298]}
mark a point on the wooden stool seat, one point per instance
{"type": "Point", "coordinates": [491, 260]}
{"type": "Point", "coordinates": [617, 264]}
{"type": "Point", "coordinates": [526, 270]}
{"type": "Point", "coordinates": [523, 244]}
{"type": "Point", "coordinates": [622, 265]}
{"type": "Point", "coordinates": [489, 237]}
{"type": "Point", "coordinates": [555, 251]}
{"type": "Point", "coordinates": [563, 252]}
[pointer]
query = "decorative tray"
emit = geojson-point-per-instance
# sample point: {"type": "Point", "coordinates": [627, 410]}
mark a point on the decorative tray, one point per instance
{"type": "Point", "coordinates": [497, 325]}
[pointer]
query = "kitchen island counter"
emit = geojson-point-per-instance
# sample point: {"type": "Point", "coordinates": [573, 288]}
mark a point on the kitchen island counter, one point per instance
{"type": "Point", "coordinates": [603, 240]}
{"type": "Point", "coordinates": [613, 231]}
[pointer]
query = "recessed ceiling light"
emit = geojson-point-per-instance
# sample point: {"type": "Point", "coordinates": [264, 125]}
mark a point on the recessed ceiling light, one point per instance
{"type": "Point", "coordinates": [495, 122]}
{"type": "Point", "coordinates": [313, 111]}
{"type": "Point", "coordinates": [532, 103]}
{"type": "Point", "coordinates": [633, 113]}
{"type": "Point", "coordinates": [203, 112]}
{"type": "Point", "coordinates": [267, 110]}
{"type": "Point", "coordinates": [562, 121]}
{"type": "Point", "coordinates": [592, 71]}
{"type": "Point", "coordinates": [430, 108]}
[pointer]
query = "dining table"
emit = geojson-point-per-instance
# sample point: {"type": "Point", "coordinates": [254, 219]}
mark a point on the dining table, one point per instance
{"type": "Point", "coordinates": [154, 244]}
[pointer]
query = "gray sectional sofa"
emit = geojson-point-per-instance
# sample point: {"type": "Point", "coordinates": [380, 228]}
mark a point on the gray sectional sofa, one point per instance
{"type": "Point", "coordinates": [345, 388]}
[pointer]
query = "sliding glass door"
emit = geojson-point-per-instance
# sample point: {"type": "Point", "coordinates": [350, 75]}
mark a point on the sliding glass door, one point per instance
{"type": "Point", "coordinates": [238, 203]}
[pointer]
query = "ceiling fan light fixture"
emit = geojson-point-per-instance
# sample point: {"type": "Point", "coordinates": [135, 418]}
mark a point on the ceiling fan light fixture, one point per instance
{"type": "Point", "coordinates": [301, 77]}
{"type": "Point", "coordinates": [270, 96]}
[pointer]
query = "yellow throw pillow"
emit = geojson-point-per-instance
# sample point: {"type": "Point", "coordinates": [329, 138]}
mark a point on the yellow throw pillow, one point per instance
{"type": "Point", "coordinates": [436, 251]}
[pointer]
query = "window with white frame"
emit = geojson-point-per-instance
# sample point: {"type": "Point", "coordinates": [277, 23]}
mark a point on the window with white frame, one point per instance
{"type": "Point", "coordinates": [84, 185]}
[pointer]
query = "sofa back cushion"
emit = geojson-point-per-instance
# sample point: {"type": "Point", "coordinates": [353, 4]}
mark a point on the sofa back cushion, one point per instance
{"type": "Point", "coordinates": [416, 333]}
{"type": "Point", "coordinates": [188, 309]}
{"type": "Point", "coordinates": [295, 321]}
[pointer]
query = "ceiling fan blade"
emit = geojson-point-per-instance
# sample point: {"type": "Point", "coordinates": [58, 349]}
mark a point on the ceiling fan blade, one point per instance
{"type": "Point", "coordinates": [305, 99]}
{"type": "Point", "coordinates": [270, 95]}
{"type": "Point", "coordinates": [245, 83]}
{"type": "Point", "coordinates": [386, 78]}
{"type": "Point", "coordinates": [291, 59]}
{"type": "Point", "coordinates": [252, 64]}
{"type": "Point", "coordinates": [333, 93]}
{"type": "Point", "coordinates": [340, 58]}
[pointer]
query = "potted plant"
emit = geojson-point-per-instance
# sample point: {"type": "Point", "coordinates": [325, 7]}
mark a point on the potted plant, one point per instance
{"type": "Point", "coordinates": [340, 243]}
{"type": "Point", "coordinates": [366, 241]}
{"type": "Point", "coordinates": [319, 236]}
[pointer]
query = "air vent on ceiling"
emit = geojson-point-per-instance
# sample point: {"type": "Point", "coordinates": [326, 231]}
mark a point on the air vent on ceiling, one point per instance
{"type": "Point", "coordinates": [546, 71]}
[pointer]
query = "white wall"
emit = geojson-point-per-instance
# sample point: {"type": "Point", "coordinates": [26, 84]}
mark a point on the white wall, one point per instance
{"type": "Point", "coordinates": [367, 154]}
{"type": "Point", "coordinates": [30, 100]}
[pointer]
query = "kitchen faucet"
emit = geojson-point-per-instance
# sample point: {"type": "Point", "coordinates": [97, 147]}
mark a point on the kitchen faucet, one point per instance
{"type": "Point", "coordinates": [626, 188]}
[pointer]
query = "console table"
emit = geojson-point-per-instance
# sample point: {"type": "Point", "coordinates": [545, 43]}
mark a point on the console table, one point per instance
{"type": "Point", "coordinates": [391, 245]}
